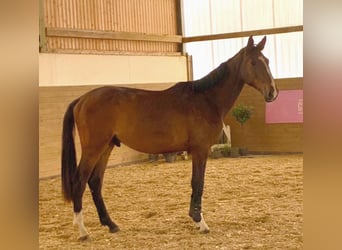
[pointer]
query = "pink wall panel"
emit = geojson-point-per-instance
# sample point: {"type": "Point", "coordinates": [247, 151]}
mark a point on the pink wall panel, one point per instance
{"type": "Point", "coordinates": [287, 108]}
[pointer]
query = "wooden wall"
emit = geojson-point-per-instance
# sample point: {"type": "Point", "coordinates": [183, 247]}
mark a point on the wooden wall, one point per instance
{"type": "Point", "coordinates": [53, 102]}
{"type": "Point", "coordinates": [110, 26]}
{"type": "Point", "coordinates": [259, 136]}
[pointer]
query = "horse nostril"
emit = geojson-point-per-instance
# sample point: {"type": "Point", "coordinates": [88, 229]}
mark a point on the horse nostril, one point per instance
{"type": "Point", "coordinates": [270, 94]}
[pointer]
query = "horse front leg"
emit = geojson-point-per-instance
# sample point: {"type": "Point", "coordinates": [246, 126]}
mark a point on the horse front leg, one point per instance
{"type": "Point", "coordinates": [199, 160]}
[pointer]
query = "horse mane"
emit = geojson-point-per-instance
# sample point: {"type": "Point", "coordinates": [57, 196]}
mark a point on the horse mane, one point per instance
{"type": "Point", "coordinates": [210, 80]}
{"type": "Point", "coordinates": [213, 78]}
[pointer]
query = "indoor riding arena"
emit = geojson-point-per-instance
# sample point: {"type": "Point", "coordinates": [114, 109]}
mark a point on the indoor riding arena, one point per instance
{"type": "Point", "coordinates": [253, 186]}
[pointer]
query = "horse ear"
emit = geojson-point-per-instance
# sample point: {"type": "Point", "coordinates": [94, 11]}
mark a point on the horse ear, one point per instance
{"type": "Point", "coordinates": [261, 44]}
{"type": "Point", "coordinates": [250, 42]}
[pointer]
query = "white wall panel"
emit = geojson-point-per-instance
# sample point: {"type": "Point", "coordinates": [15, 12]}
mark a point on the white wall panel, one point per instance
{"type": "Point", "coordinates": [256, 14]}
{"type": "Point", "coordinates": [74, 69]}
{"type": "Point", "coordinates": [204, 17]}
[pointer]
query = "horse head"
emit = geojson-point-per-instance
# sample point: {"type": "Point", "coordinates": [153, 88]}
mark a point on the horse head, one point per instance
{"type": "Point", "coordinates": [255, 70]}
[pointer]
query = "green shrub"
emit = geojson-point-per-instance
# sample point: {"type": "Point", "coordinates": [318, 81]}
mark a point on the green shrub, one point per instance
{"type": "Point", "coordinates": [226, 151]}
{"type": "Point", "coordinates": [242, 113]}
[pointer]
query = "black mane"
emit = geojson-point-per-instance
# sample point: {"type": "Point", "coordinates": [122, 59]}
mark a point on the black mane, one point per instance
{"type": "Point", "coordinates": [211, 79]}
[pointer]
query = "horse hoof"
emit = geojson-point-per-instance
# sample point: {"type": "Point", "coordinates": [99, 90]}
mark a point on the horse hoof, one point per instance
{"type": "Point", "coordinates": [204, 231]}
{"type": "Point", "coordinates": [203, 227]}
{"type": "Point", "coordinates": [84, 238]}
{"type": "Point", "coordinates": [114, 229]}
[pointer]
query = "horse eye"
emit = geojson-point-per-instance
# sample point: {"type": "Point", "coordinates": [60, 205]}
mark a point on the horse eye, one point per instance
{"type": "Point", "coordinates": [253, 63]}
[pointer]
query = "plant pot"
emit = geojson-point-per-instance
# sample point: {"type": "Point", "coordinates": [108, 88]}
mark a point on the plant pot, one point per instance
{"type": "Point", "coordinates": [234, 152]}
{"type": "Point", "coordinates": [170, 157]}
{"type": "Point", "coordinates": [153, 157]}
{"type": "Point", "coordinates": [243, 151]}
{"type": "Point", "coordinates": [216, 154]}
{"type": "Point", "coordinates": [226, 151]}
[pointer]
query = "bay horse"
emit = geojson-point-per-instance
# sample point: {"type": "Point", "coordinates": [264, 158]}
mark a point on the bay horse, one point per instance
{"type": "Point", "coordinates": [185, 117]}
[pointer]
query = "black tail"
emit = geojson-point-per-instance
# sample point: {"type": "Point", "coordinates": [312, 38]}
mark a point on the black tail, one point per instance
{"type": "Point", "coordinates": [69, 162]}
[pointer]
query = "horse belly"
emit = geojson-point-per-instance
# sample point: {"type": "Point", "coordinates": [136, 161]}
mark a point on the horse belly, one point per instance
{"type": "Point", "coordinates": [154, 141]}
{"type": "Point", "coordinates": [156, 148]}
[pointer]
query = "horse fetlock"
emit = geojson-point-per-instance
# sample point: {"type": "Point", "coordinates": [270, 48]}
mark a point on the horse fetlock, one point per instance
{"type": "Point", "coordinates": [196, 217]}
{"type": "Point", "coordinates": [106, 221]}
{"type": "Point", "coordinates": [195, 214]}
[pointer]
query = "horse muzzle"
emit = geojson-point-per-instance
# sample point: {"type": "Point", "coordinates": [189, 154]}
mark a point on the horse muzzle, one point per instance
{"type": "Point", "coordinates": [271, 95]}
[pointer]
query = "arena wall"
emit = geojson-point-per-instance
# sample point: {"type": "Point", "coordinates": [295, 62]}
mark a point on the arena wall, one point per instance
{"type": "Point", "coordinates": [256, 135]}
{"type": "Point", "coordinates": [73, 69]}
{"type": "Point", "coordinates": [65, 77]}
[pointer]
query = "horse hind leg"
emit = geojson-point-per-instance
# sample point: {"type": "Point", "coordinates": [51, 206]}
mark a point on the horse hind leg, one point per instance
{"type": "Point", "coordinates": [95, 184]}
{"type": "Point", "coordinates": [79, 183]}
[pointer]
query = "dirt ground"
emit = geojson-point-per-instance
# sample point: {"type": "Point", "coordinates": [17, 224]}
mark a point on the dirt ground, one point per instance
{"type": "Point", "coordinates": [249, 203]}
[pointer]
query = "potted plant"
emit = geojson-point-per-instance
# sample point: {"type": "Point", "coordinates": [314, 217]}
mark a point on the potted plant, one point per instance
{"type": "Point", "coordinates": [242, 113]}
{"type": "Point", "coordinates": [170, 157]}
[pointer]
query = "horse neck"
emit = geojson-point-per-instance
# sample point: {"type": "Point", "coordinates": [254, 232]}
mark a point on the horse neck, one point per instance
{"type": "Point", "coordinates": [227, 91]}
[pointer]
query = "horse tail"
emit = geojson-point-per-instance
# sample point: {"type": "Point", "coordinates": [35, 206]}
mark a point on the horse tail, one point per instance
{"type": "Point", "coordinates": [69, 162]}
